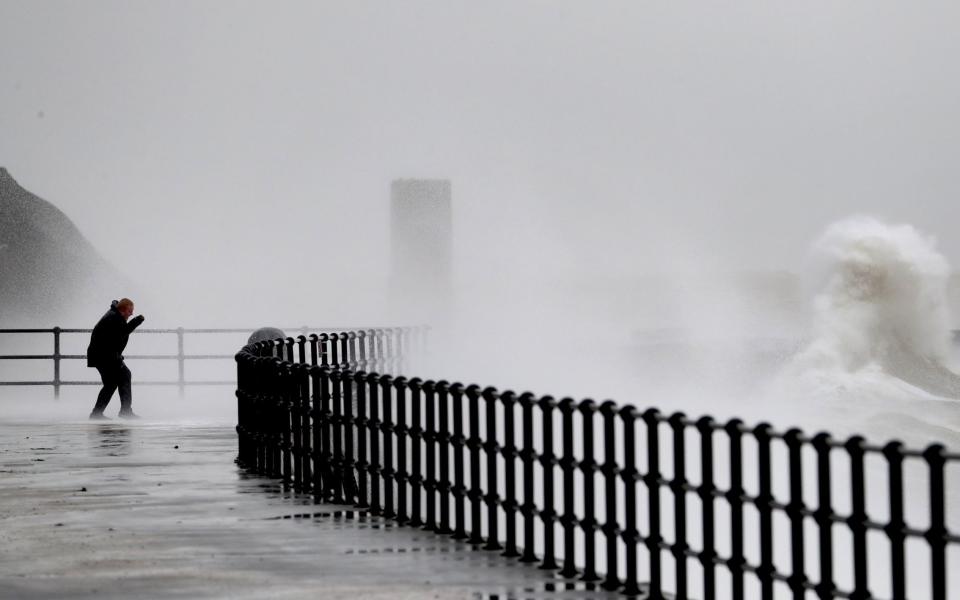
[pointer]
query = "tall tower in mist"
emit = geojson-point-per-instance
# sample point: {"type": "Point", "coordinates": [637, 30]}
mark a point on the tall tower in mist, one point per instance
{"type": "Point", "coordinates": [421, 225]}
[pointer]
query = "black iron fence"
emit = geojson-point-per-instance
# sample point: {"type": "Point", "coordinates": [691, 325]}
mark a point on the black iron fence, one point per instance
{"type": "Point", "coordinates": [382, 339]}
{"type": "Point", "coordinates": [649, 504]}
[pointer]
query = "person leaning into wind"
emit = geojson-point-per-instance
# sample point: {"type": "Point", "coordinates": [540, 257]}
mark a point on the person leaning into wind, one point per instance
{"type": "Point", "coordinates": [105, 352]}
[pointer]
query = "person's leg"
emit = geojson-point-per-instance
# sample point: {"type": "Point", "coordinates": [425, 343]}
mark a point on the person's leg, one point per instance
{"type": "Point", "coordinates": [108, 376]}
{"type": "Point", "coordinates": [126, 393]}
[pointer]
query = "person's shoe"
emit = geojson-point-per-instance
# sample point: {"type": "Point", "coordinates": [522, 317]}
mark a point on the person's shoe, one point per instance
{"type": "Point", "coordinates": [99, 417]}
{"type": "Point", "coordinates": [128, 415]}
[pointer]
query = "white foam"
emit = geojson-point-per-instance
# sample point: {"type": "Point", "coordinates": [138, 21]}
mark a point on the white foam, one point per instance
{"type": "Point", "coordinates": [881, 331]}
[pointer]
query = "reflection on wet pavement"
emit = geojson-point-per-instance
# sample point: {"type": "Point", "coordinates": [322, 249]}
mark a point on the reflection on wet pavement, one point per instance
{"type": "Point", "coordinates": [156, 510]}
{"type": "Point", "coordinates": [107, 439]}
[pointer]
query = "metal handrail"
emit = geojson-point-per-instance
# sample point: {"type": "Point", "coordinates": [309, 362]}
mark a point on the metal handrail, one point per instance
{"type": "Point", "coordinates": [181, 356]}
{"type": "Point", "coordinates": [441, 456]}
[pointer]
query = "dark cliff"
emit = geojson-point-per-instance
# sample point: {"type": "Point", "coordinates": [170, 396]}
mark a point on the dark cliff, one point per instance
{"type": "Point", "coordinates": [49, 273]}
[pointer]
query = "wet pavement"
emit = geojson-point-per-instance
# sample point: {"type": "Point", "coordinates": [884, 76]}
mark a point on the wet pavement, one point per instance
{"type": "Point", "coordinates": [160, 510]}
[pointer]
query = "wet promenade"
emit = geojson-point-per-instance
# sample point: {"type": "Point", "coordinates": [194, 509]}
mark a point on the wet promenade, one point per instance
{"type": "Point", "coordinates": [160, 510]}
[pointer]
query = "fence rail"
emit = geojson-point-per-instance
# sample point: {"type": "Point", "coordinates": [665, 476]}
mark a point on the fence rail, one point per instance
{"type": "Point", "coordinates": [637, 501]}
{"type": "Point", "coordinates": [413, 335]}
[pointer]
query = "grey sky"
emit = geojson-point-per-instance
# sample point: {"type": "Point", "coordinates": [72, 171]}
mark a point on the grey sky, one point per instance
{"type": "Point", "coordinates": [619, 136]}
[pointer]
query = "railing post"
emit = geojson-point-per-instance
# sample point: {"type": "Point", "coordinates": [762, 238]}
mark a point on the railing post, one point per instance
{"type": "Point", "coordinates": [548, 461]}
{"type": "Point", "coordinates": [652, 418]}
{"type": "Point", "coordinates": [895, 530]}
{"type": "Point", "coordinates": [346, 415]}
{"type": "Point", "coordinates": [588, 467]}
{"type": "Point", "coordinates": [334, 349]}
{"type": "Point", "coordinates": [568, 466]}
{"type": "Point", "coordinates": [316, 453]}
{"type": "Point", "coordinates": [353, 350]}
{"type": "Point", "coordinates": [610, 528]}
{"type": "Point", "coordinates": [491, 397]}
{"type": "Point", "coordinates": [181, 381]}
{"type": "Point", "coordinates": [795, 511]}
{"type": "Point", "coordinates": [373, 426]}
{"type": "Point", "coordinates": [445, 440]}
{"type": "Point", "coordinates": [324, 470]}
{"type": "Point", "coordinates": [324, 343]}
{"type": "Point", "coordinates": [430, 436]}
{"type": "Point", "coordinates": [706, 492]}
{"type": "Point", "coordinates": [529, 457]}
{"type": "Point", "coordinates": [243, 377]}
{"type": "Point", "coordinates": [277, 409]}
{"type": "Point", "coordinates": [630, 476]}
{"type": "Point", "coordinates": [293, 403]}
{"type": "Point", "coordinates": [338, 467]}
{"type": "Point", "coordinates": [56, 362]}
{"type": "Point", "coordinates": [678, 486]}
{"type": "Point", "coordinates": [858, 518]}
{"type": "Point", "coordinates": [766, 569]}
{"type": "Point", "coordinates": [823, 516]}
{"type": "Point", "coordinates": [362, 423]}
{"type": "Point", "coordinates": [510, 454]}
{"type": "Point", "coordinates": [737, 562]}
{"type": "Point", "coordinates": [401, 476]}
{"type": "Point", "coordinates": [475, 444]}
{"type": "Point", "coordinates": [937, 534]}
{"type": "Point", "coordinates": [344, 351]}
{"type": "Point", "coordinates": [387, 428]}
{"type": "Point", "coordinates": [362, 362]}
{"type": "Point", "coordinates": [303, 405]}
{"type": "Point", "coordinates": [287, 418]}
{"type": "Point", "coordinates": [416, 446]}
{"type": "Point", "coordinates": [302, 348]}
{"type": "Point", "coordinates": [459, 441]}
{"type": "Point", "coordinates": [376, 341]}
{"type": "Point", "coordinates": [313, 349]}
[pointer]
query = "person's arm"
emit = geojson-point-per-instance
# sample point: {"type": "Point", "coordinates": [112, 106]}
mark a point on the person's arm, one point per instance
{"type": "Point", "coordinates": [134, 323]}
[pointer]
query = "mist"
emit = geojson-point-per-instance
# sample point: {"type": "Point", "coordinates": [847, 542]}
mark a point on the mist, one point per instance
{"type": "Point", "coordinates": [636, 188]}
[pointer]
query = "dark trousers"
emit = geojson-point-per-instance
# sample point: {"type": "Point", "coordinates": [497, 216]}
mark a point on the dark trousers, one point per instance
{"type": "Point", "coordinates": [115, 376]}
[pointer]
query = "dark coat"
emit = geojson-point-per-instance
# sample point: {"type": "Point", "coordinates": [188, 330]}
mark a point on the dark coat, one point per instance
{"type": "Point", "coordinates": [109, 337]}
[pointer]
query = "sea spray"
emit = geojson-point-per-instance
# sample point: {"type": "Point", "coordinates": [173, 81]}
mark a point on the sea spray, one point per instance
{"type": "Point", "coordinates": [885, 297]}
{"type": "Point", "coordinates": [877, 359]}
